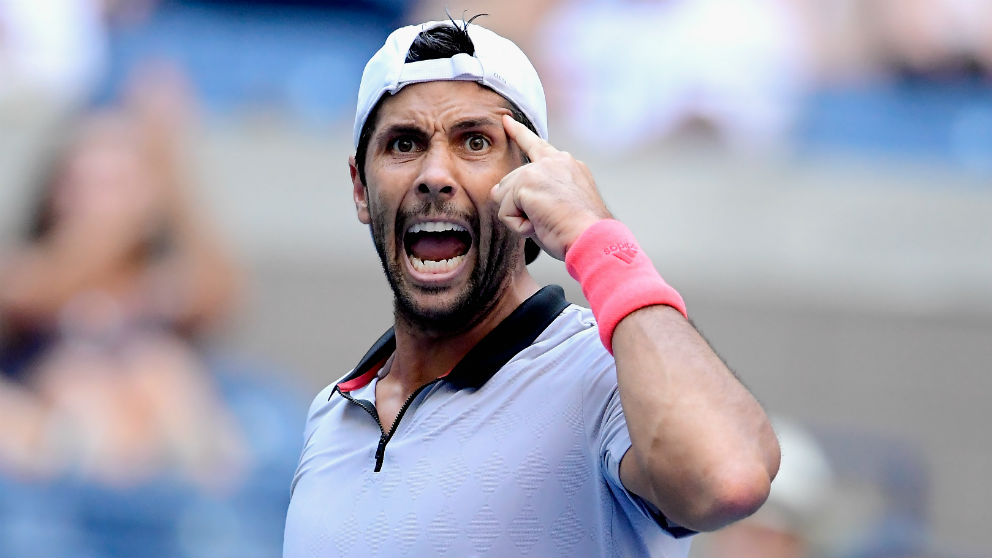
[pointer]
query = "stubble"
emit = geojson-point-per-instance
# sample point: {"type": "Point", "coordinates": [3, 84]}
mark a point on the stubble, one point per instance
{"type": "Point", "coordinates": [487, 282]}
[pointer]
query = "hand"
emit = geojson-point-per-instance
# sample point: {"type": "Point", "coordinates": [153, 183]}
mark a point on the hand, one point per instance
{"type": "Point", "coordinates": [553, 199]}
{"type": "Point", "coordinates": [160, 99]}
{"type": "Point", "coordinates": [161, 103]}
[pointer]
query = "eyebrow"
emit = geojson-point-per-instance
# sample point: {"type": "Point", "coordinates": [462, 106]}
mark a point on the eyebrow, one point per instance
{"type": "Point", "coordinates": [469, 123]}
{"type": "Point", "coordinates": [406, 129]}
{"type": "Point", "coordinates": [400, 130]}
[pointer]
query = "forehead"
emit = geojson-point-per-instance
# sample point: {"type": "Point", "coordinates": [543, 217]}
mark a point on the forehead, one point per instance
{"type": "Point", "coordinates": [441, 102]}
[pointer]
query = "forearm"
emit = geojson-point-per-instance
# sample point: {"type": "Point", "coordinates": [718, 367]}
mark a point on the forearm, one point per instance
{"type": "Point", "coordinates": [702, 450]}
{"type": "Point", "coordinates": [200, 269]}
{"type": "Point", "coordinates": [198, 280]}
{"type": "Point", "coordinates": [40, 278]}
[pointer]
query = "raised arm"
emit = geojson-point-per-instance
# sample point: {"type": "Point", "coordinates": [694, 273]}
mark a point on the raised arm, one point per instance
{"type": "Point", "coordinates": [198, 281]}
{"type": "Point", "coordinates": [703, 451]}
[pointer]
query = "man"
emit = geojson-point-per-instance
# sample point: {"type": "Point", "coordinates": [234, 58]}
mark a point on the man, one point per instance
{"type": "Point", "coordinates": [492, 419]}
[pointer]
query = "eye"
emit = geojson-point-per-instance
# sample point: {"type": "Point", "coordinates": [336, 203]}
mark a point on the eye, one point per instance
{"type": "Point", "coordinates": [403, 144]}
{"type": "Point", "coordinates": [476, 142]}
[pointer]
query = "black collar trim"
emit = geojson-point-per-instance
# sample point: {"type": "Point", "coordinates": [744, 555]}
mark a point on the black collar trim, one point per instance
{"type": "Point", "coordinates": [515, 333]}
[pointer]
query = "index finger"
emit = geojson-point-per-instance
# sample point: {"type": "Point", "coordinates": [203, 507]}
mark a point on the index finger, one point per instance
{"type": "Point", "coordinates": [531, 143]}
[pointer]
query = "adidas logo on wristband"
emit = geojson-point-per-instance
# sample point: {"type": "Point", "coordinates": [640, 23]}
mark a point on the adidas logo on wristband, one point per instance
{"type": "Point", "coordinates": [624, 251]}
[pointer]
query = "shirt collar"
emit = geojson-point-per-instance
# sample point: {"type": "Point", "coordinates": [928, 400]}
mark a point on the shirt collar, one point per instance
{"type": "Point", "coordinates": [515, 333]}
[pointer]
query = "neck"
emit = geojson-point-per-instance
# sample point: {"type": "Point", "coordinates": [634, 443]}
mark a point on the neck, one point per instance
{"type": "Point", "coordinates": [425, 356]}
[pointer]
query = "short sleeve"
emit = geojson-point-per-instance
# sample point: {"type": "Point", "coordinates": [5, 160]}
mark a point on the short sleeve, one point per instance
{"type": "Point", "coordinates": [614, 444]}
{"type": "Point", "coordinates": [318, 404]}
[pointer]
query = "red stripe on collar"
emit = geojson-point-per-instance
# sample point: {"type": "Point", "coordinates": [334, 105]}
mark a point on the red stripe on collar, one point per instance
{"type": "Point", "coordinates": [363, 380]}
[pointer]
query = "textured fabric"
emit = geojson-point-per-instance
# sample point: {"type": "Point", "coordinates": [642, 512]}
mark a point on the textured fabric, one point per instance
{"type": "Point", "coordinates": [525, 465]}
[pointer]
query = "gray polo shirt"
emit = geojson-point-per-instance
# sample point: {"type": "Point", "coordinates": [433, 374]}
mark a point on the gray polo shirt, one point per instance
{"type": "Point", "coordinates": [516, 452]}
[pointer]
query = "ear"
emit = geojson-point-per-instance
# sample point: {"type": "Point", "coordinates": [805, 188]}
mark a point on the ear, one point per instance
{"type": "Point", "coordinates": [360, 193]}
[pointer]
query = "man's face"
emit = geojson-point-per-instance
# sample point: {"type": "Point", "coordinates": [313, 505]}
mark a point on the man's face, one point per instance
{"type": "Point", "coordinates": [437, 150]}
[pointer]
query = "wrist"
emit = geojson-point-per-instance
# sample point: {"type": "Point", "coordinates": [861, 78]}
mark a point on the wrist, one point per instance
{"type": "Point", "coordinates": [616, 276]}
{"type": "Point", "coordinates": [580, 228]}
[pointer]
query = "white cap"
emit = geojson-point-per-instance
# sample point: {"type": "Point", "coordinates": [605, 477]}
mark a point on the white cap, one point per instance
{"type": "Point", "coordinates": [498, 64]}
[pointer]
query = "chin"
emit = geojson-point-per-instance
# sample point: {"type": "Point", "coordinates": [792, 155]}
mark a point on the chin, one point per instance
{"type": "Point", "coordinates": [453, 299]}
{"type": "Point", "coordinates": [441, 310]}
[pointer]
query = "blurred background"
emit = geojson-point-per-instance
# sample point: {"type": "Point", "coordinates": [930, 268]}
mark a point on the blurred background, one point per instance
{"type": "Point", "coordinates": [181, 268]}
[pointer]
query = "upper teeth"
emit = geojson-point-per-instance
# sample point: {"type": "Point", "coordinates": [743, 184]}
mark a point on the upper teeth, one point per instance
{"type": "Point", "coordinates": [436, 226]}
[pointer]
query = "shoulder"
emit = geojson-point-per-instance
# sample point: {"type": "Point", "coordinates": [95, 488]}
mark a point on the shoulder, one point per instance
{"type": "Point", "coordinates": [575, 334]}
{"type": "Point", "coordinates": [323, 396]}
{"type": "Point", "coordinates": [569, 354]}
{"type": "Point", "coordinates": [572, 326]}
{"type": "Point", "coordinates": [320, 404]}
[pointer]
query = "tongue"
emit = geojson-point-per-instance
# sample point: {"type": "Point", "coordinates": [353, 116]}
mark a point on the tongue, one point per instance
{"type": "Point", "coordinates": [437, 247]}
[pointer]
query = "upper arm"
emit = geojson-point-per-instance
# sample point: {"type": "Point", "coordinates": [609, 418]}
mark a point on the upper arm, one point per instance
{"type": "Point", "coordinates": [633, 477]}
{"type": "Point", "coordinates": [628, 481]}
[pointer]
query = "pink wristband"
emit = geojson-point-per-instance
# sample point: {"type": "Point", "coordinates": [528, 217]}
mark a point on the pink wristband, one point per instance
{"type": "Point", "coordinates": [616, 276]}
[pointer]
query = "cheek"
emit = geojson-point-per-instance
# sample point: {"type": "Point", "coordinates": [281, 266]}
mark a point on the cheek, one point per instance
{"type": "Point", "coordinates": [385, 188]}
{"type": "Point", "coordinates": [382, 217]}
{"type": "Point", "coordinates": [377, 214]}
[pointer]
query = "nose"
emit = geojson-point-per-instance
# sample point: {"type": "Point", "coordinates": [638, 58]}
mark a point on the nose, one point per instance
{"type": "Point", "coordinates": [436, 178]}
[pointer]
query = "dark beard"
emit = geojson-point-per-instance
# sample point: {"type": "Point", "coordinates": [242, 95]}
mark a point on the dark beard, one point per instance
{"type": "Point", "coordinates": [486, 283]}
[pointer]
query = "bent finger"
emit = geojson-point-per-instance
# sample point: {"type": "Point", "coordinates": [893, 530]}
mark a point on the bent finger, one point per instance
{"type": "Point", "coordinates": [513, 217]}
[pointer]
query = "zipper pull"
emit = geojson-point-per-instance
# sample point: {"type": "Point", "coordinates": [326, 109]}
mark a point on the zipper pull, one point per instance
{"type": "Point", "coordinates": [380, 452]}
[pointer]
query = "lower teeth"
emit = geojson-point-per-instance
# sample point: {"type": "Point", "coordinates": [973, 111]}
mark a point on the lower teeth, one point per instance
{"type": "Point", "coordinates": [431, 266]}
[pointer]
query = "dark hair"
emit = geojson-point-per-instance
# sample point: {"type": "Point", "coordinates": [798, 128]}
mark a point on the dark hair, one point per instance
{"type": "Point", "coordinates": [41, 219]}
{"type": "Point", "coordinates": [441, 41]}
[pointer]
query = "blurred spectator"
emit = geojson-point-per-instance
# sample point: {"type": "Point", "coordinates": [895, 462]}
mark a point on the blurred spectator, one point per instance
{"type": "Point", "coordinates": [908, 78]}
{"type": "Point", "coordinates": [933, 39]}
{"type": "Point", "coordinates": [54, 49]}
{"type": "Point", "coordinates": [119, 273]}
{"type": "Point", "coordinates": [122, 431]}
{"type": "Point", "coordinates": [938, 40]}
{"type": "Point", "coordinates": [623, 74]}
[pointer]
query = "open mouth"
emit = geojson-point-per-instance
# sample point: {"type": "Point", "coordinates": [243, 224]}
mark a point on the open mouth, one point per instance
{"type": "Point", "coordinates": [436, 247]}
